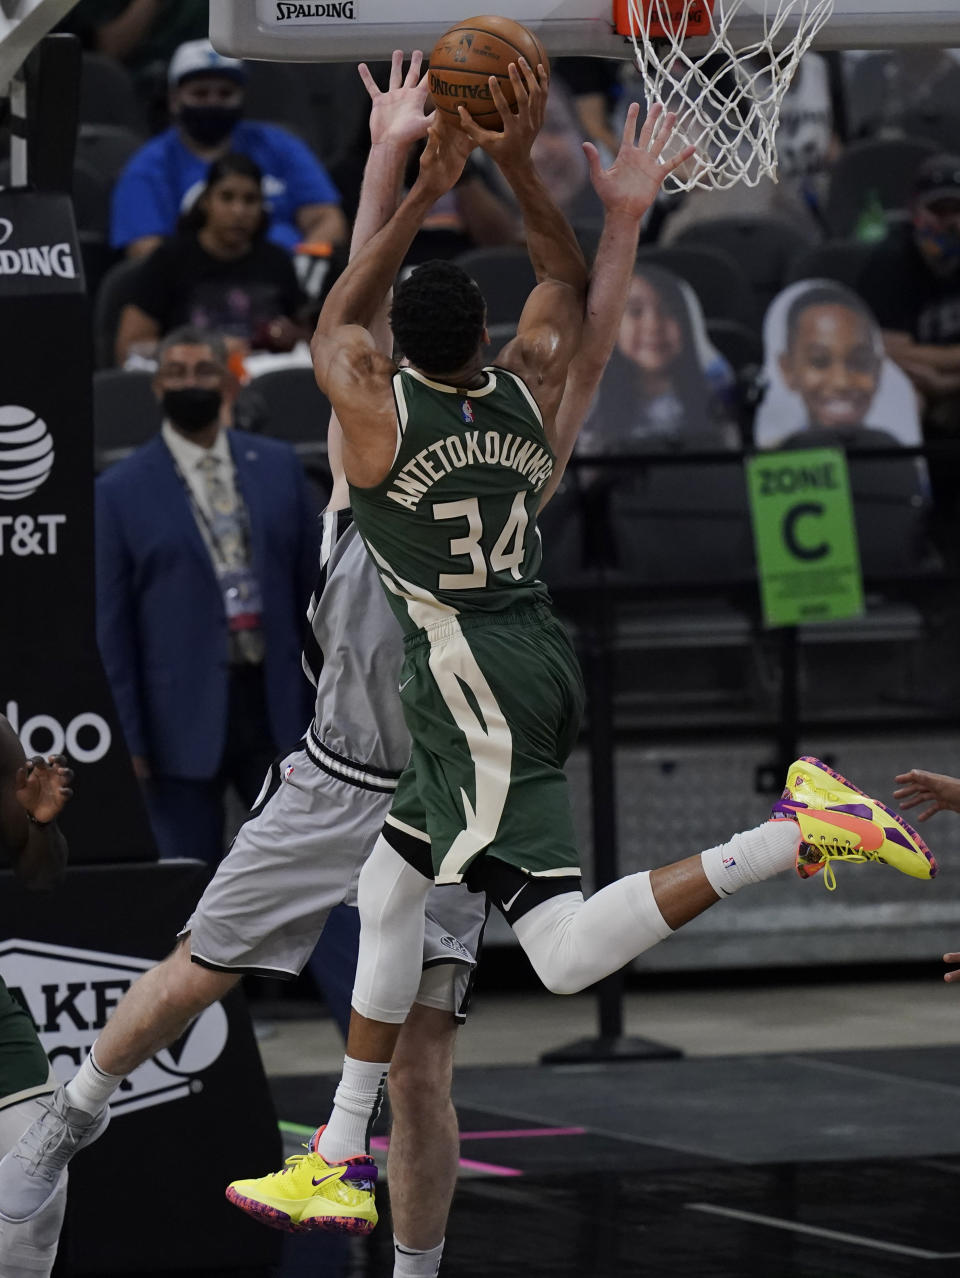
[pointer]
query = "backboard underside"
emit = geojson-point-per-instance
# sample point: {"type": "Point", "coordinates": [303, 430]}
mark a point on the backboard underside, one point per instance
{"type": "Point", "coordinates": [348, 30]}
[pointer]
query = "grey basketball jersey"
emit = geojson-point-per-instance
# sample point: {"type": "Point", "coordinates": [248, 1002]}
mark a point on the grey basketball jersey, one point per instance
{"type": "Point", "coordinates": [353, 657]}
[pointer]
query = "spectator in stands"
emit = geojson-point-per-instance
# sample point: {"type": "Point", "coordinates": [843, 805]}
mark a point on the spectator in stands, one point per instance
{"type": "Point", "coordinates": [666, 386]}
{"type": "Point", "coordinates": [594, 85]}
{"type": "Point", "coordinates": [911, 282]}
{"type": "Point", "coordinates": [167, 174]}
{"type": "Point", "coordinates": [218, 272]}
{"type": "Point", "coordinates": [138, 33]}
{"type": "Point", "coordinates": [206, 550]}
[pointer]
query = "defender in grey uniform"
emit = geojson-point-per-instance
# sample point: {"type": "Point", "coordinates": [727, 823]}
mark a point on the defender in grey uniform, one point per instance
{"type": "Point", "coordinates": [300, 852]}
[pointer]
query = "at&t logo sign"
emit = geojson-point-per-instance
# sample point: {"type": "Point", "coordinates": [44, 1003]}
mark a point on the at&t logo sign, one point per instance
{"type": "Point", "coordinates": [26, 452]}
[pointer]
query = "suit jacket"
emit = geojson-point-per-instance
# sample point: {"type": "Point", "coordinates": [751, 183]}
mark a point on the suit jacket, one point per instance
{"type": "Point", "coordinates": [161, 623]}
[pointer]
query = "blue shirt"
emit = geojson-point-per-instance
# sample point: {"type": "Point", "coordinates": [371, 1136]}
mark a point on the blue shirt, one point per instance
{"type": "Point", "coordinates": [163, 178]}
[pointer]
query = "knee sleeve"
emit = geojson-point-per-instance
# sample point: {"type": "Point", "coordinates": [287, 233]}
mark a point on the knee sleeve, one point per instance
{"type": "Point", "coordinates": [573, 942]}
{"type": "Point", "coordinates": [390, 897]}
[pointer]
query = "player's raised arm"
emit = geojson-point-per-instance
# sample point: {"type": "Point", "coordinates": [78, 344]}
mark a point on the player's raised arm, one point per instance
{"type": "Point", "coordinates": [397, 119]}
{"type": "Point", "coordinates": [355, 298]}
{"type": "Point", "coordinates": [627, 189]}
{"type": "Point", "coordinates": [549, 329]}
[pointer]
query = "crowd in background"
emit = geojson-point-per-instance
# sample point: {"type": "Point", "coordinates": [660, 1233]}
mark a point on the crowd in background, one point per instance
{"type": "Point", "coordinates": [821, 309]}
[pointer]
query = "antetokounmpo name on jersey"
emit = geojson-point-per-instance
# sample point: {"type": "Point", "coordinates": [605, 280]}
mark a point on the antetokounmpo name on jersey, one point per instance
{"type": "Point", "coordinates": [473, 448]}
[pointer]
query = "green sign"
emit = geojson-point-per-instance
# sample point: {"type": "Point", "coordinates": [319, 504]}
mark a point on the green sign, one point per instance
{"type": "Point", "coordinates": [806, 541]}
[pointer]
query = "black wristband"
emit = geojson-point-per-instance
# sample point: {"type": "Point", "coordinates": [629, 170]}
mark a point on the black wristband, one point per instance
{"type": "Point", "coordinates": [33, 821]}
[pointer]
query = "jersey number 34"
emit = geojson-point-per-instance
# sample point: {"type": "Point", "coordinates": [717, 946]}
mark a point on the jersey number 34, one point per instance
{"type": "Point", "coordinates": [506, 555]}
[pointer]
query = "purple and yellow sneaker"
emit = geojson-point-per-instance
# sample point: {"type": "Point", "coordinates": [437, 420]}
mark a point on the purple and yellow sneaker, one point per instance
{"type": "Point", "coordinates": [838, 822]}
{"type": "Point", "coordinates": [311, 1194]}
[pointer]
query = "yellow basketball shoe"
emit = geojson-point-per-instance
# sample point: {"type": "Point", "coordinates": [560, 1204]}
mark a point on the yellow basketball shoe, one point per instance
{"type": "Point", "coordinates": [838, 822]}
{"type": "Point", "coordinates": [311, 1194]}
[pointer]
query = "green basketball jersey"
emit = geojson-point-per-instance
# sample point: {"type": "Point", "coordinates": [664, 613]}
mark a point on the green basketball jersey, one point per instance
{"type": "Point", "coordinates": [453, 527]}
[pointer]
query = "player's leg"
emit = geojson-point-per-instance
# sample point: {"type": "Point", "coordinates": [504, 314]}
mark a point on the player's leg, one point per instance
{"type": "Point", "coordinates": [423, 1157]}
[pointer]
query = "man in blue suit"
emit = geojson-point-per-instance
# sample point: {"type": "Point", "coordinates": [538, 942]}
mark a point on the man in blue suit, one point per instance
{"type": "Point", "coordinates": [207, 544]}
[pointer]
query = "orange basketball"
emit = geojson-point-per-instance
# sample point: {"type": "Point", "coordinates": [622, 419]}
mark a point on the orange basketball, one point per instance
{"type": "Point", "coordinates": [465, 57]}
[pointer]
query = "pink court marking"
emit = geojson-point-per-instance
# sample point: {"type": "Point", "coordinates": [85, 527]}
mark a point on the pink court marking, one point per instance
{"type": "Point", "coordinates": [494, 1169]}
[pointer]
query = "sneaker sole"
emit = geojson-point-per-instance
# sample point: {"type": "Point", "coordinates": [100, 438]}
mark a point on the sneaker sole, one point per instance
{"type": "Point", "coordinates": [904, 825]}
{"type": "Point", "coordinates": [278, 1219]}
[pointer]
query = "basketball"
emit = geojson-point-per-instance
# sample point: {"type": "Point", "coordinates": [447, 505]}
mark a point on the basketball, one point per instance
{"type": "Point", "coordinates": [465, 57]}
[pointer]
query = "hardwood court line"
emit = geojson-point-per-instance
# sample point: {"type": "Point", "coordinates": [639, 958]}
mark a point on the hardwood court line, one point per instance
{"type": "Point", "coordinates": [816, 1231]}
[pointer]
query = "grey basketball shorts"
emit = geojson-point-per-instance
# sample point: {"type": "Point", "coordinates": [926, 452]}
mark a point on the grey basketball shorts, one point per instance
{"type": "Point", "coordinates": [298, 856]}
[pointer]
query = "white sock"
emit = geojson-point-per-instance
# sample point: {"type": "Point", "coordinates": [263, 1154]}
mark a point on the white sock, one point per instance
{"type": "Point", "coordinates": [91, 1087]}
{"type": "Point", "coordinates": [752, 856]}
{"type": "Point", "coordinates": [408, 1263]}
{"type": "Point", "coordinates": [355, 1106]}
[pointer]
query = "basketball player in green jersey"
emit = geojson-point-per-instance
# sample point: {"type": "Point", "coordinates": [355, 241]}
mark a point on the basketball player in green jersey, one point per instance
{"type": "Point", "coordinates": [448, 461]}
{"type": "Point", "coordinates": [32, 795]}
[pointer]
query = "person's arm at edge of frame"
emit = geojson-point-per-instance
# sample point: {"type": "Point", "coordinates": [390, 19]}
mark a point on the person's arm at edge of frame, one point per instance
{"type": "Point", "coordinates": [32, 794]}
{"type": "Point", "coordinates": [627, 189]}
{"type": "Point", "coordinates": [942, 793]}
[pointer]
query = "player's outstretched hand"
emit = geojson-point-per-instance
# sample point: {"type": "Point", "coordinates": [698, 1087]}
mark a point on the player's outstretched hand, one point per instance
{"type": "Point", "coordinates": [43, 787]}
{"type": "Point", "coordinates": [951, 977]}
{"type": "Point", "coordinates": [631, 183]}
{"type": "Point", "coordinates": [444, 157]}
{"type": "Point", "coordinates": [520, 127]}
{"type": "Point", "coordinates": [397, 115]}
{"type": "Point", "coordinates": [916, 787]}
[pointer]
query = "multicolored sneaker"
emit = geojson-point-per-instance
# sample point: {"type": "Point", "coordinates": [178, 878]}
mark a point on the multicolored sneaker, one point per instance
{"type": "Point", "coordinates": [838, 822]}
{"type": "Point", "coordinates": [311, 1194]}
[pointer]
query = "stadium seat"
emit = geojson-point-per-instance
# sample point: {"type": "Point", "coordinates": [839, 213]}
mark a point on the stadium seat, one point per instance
{"type": "Point", "coordinates": [505, 277]}
{"type": "Point", "coordinates": [116, 289]}
{"type": "Point", "coordinates": [106, 148]}
{"type": "Point", "coordinates": [674, 524]}
{"type": "Point", "coordinates": [108, 96]}
{"type": "Point", "coordinates": [840, 260]}
{"type": "Point", "coordinates": [716, 278]}
{"type": "Point", "coordinates": [762, 247]}
{"type": "Point", "coordinates": [880, 171]}
{"type": "Point", "coordinates": [292, 408]}
{"type": "Point", "coordinates": [125, 414]}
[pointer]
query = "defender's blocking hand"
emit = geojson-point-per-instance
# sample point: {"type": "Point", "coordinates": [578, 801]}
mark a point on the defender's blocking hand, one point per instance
{"type": "Point", "coordinates": [396, 116]}
{"type": "Point", "coordinates": [631, 183]}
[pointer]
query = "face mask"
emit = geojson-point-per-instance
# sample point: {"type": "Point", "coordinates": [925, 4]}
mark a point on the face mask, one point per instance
{"type": "Point", "coordinates": [208, 125]}
{"type": "Point", "coordinates": [191, 408]}
{"type": "Point", "coordinates": [940, 248]}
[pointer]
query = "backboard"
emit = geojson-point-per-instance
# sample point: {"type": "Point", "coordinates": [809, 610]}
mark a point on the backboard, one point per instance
{"type": "Point", "coordinates": [348, 30]}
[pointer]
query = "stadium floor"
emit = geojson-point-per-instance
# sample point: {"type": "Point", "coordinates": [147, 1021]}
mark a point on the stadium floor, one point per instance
{"type": "Point", "coordinates": [820, 1165]}
{"type": "Point", "coordinates": [812, 1130]}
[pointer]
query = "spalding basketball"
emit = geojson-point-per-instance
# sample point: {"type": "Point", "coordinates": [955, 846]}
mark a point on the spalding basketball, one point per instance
{"type": "Point", "coordinates": [465, 57]}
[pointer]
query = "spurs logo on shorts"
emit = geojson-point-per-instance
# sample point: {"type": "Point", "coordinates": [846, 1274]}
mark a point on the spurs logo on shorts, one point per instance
{"type": "Point", "coordinates": [70, 993]}
{"type": "Point", "coordinates": [451, 943]}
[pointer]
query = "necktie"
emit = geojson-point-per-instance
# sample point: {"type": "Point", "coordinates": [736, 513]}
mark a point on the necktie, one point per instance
{"type": "Point", "coordinates": [228, 536]}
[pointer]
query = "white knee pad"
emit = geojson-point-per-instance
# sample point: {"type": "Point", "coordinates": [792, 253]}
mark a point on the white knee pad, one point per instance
{"type": "Point", "coordinates": [391, 896]}
{"type": "Point", "coordinates": [572, 942]}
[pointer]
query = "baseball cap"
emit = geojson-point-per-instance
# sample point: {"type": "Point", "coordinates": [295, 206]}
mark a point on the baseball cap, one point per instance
{"type": "Point", "coordinates": [938, 178]}
{"type": "Point", "coordinates": [199, 57]}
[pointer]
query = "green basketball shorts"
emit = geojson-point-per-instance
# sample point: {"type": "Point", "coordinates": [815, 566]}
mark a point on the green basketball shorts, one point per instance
{"type": "Point", "coordinates": [493, 703]}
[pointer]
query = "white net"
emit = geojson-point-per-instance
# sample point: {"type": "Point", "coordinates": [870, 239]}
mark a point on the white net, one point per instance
{"type": "Point", "coordinates": [726, 88]}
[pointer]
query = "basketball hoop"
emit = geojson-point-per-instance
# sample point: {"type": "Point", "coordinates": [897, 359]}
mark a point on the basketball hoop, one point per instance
{"type": "Point", "coordinates": [727, 98]}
